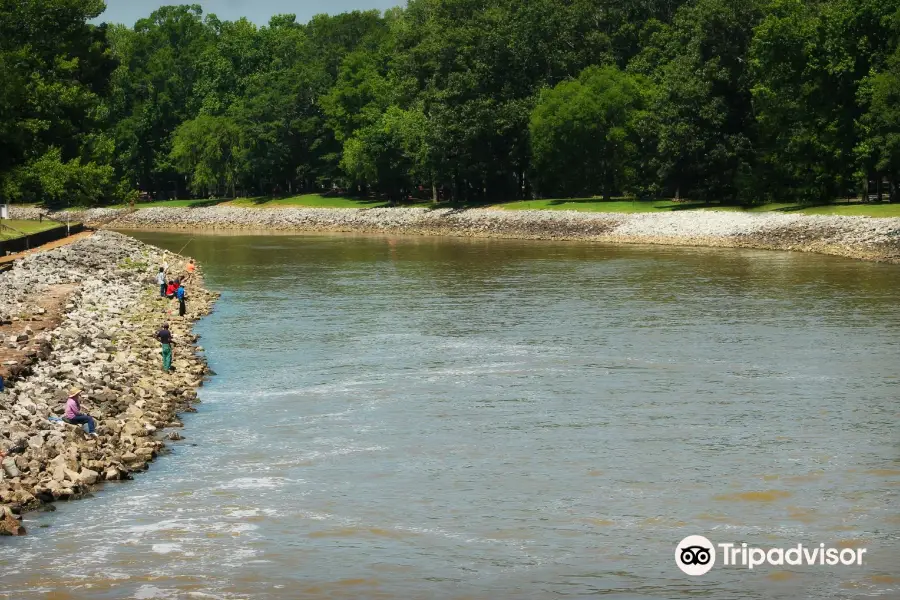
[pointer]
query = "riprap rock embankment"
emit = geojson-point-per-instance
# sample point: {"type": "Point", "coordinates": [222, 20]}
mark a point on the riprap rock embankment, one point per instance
{"type": "Point", "coordinates": [856, 237]}
{"type": "Point", "coordinates": [101, 341]}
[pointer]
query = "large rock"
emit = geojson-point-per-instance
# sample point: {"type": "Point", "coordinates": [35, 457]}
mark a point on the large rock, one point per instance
{"type": "Point", "coordinates": [88, 477]}
{"type": "Point", "coordinates": [134, 429]}
{"type": "Point", "coordinates": [9, 524]}
{"type": "Point", "coordinates": [9, 466]}
{"type": "Point", "coordinates": [57, 468]}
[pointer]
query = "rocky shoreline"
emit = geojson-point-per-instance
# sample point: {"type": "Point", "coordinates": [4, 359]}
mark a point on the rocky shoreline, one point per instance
{"type": "Point", "coordinates": [101, 341]}
{"type": "Point", "coordinates": [864, 238]}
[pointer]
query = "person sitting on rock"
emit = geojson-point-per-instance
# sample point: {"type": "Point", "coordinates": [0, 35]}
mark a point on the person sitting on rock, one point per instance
{"type": "Point", "coordinates": [165, 338]}
{"type": "Point", "coordinates": [170, 291]}
{"type": "Point", "coordinates": [73, 414]}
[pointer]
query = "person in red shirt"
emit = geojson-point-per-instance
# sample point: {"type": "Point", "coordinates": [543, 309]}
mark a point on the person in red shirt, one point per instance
{"type": "Point", "coordinates": [170, 291]}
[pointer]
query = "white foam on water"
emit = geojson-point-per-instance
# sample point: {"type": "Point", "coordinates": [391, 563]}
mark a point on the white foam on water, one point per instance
{"type": "Point", "coordinates": [243, 513]}
{"type": "Point", "coordinates": [256, 483]}
{"type": "Point", "coordinates": [317, 516]}
{"type": "Point", "coordinates": [316, 454]}
{"type": "Point", "coordinates": [335, 416]}
{"type": "Point", "coordinates": [318, 390]}
{"type": "Point", "coordinates": [241, 527]}
{"type": "Point", "coordinates": [154, 527]}
{"type": "Point", "coordinates": [166, 548]}
{"type": "Point", "coordinates": [151, 592]}
{"type": "Point", "coordinates": [116, 576]}
{"type": "Point", "coordinates": [238, 556]}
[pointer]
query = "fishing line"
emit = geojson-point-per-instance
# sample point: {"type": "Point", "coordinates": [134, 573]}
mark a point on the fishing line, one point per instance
{"type": "Point", "coordinates": [186, 245]}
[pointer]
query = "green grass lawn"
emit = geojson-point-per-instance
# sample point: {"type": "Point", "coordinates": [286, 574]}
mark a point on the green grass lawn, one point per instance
{"type": "Point", "coordinates": [855, 210]}
{"type": "Point", "coordinates": [10, 229]}
{"type": "Point", "coordinates": [597, 205]}
{"type": "Point", "coordinates": [309, 201]}
{"type": "Point", "coordinates": [305, 200]}
{"type": "Point", "coordinates": [617, 205]}
{"type": "Point", "coordinates": [170, 203]}
{"type": "Point", "coordinates": [626, 206]}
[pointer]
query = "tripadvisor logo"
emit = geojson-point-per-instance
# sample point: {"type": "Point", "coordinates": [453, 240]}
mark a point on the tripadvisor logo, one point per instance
{"type": "Point", "coordinates": [696, 555]}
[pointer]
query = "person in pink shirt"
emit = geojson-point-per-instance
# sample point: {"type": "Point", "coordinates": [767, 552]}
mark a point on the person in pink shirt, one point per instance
{"type": "Point", "coordinates": [73, 414]}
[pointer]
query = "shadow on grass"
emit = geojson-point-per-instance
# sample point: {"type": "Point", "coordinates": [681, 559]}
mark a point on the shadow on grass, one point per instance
{"type": "Point", "coordinates": [669, 206]}
{"type": "Point", "coordinates": [798, 207]}
{"type": "Point", "coordinates": [367, 202]}
{"type": "Point", "coordinates": [206, 203]}
{"type": "Point", "coordinates": [687, 206]}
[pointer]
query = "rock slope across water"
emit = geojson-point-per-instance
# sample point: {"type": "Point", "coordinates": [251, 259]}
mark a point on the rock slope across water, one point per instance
{"type": "Point", "coordinates": [103, 344]}
{"type": "Point", "coordinates": [856, 237]}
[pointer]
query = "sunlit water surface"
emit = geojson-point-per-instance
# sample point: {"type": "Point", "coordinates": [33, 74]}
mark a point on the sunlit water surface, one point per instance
{"type": "Point", "coordinates": [438, 418]}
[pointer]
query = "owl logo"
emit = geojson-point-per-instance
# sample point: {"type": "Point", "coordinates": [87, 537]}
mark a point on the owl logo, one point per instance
{"type": "Point", "coordinates": [695, 555]}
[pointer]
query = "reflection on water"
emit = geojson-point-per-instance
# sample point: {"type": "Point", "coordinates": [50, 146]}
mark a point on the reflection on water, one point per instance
{"type": "Point", "coordinates": [426, 418]}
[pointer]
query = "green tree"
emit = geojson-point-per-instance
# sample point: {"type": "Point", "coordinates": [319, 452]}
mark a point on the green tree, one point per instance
{"type": "Point", "coordinates": [55, 69]}
{"type": "Point", "coordinates": [390, 156]}
{"type": "Point", "coordinates": [878, 149]}
{"type": "Point", "coordinates": [155, 92]}
{"type": "Point", "coordinates": [809, 61]}
{"type": "Point", "coordinates": [212, 153]}
{"type": "Point", "coordinates": [583, 133]}
{"type": "Point", "coordinates": [57, 182]}
{"type": "Point", "coordinates": [702, 118]}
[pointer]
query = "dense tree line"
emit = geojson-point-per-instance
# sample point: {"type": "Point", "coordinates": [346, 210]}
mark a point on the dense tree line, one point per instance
{"type": "Point", "coordinates": [466, 100]}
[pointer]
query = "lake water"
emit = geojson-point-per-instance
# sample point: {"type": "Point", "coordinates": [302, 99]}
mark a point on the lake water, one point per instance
{"type": "Point", "coordinates": [493, 419]}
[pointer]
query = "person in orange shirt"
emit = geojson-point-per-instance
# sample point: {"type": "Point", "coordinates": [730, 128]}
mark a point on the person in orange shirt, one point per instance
{"type": "Point", "coordinates": [189, 269]}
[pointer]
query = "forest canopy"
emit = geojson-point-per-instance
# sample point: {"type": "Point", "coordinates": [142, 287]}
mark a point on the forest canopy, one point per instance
{"type": "Point", "coordinates": [744, 101]}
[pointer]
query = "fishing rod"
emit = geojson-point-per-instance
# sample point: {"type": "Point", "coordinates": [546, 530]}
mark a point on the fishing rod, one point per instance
{"type": "Point", "coordinates": [186, 245]}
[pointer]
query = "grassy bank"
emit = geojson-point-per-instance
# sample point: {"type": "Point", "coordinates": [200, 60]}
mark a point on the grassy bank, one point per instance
{"type": "Point", "coordinates": [857, 209]}
{"type": "Point", "coordinates": [578, 204]}
{"type": "Point", "coordinates": [11, 229]}
{"type": "Point", "coordinates": [304, 200]}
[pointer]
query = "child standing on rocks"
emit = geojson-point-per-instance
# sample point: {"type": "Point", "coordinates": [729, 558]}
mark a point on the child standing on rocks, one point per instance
{"type": "Point", "coordinates": [161, 280]}
{"type": "Point", "coordinates": [165, 338]}
{"type": "Point", "coordinates": [73, 414]}
{"type": "Point", "coordinates": [189, 270]}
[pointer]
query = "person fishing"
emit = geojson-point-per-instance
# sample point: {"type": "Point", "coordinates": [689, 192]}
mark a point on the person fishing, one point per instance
{"type": "Point", "coordinates": [165, 339]}
{"type": "Point", "coordinates": [161, 281]}
{"type": "Point", "coordinates": [179, 294]}
{"type": "Point", "coordinates": [189, 270]}
{"type": "Point", "coordinates": [73, 414]}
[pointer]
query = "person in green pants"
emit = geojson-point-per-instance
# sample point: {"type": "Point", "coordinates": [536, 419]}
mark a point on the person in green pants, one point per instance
{"type": "Point", "coordinates": [165, 338]}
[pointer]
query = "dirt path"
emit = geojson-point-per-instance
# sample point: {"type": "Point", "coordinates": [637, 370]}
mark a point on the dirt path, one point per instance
{"type": "Point", "coordinates": [48, 246]}
{"type": "Point", "coordinates": [20, 341]}
{"type": "Point", "coordinates": [21, 346]}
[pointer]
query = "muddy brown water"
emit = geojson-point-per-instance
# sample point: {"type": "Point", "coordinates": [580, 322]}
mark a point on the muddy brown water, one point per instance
{"type": "Point", "coordinates": [448, 418]}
